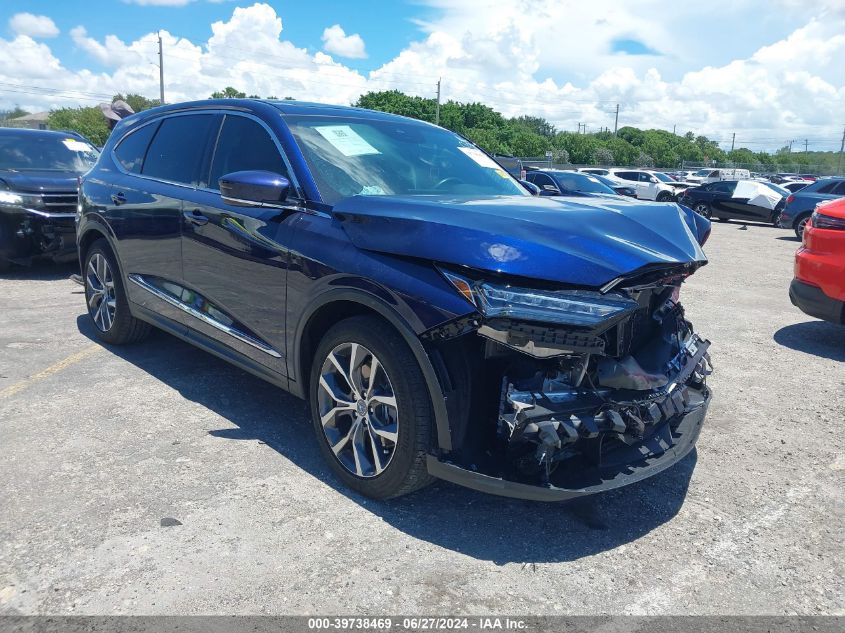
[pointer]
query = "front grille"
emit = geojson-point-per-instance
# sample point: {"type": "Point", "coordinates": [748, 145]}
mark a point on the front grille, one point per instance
{"type": "Point", "coordinates": [60, 201]}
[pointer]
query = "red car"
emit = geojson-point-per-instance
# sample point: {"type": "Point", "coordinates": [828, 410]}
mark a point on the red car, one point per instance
{"type": "Point", "coordinates": [819, 284]}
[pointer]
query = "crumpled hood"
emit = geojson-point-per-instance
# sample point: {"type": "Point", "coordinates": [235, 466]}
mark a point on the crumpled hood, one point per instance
{"type": "Point", "coordinates": [587, 242]}
{"type": "Point", "coordinates": [36, 181]}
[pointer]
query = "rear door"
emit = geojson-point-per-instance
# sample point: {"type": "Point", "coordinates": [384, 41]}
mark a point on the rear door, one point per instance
{"type": "Point", "coordinates": [235, 258]}
{"type": "Point", "coordinates": [159, 163]}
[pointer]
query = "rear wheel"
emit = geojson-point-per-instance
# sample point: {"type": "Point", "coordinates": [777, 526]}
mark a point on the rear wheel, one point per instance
{"type": "Point", "coordinates": [801, 224]}
{"type": "Point", "coordinates": [702, 209]}
{"type": "Point", "coordinates": [664, 196]}
{"type": "Point", "coordinates": [370, 408]}
{"type": "Point", "coordinates": [106, 299]}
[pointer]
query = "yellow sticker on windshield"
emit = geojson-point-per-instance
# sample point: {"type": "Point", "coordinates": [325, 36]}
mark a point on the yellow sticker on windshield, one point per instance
{"type": "Point", "coordinates": [502, 173]}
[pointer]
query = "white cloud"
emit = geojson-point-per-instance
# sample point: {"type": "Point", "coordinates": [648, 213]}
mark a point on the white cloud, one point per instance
{"type": "Point", "coordinates": [335, 40]}
{"type": "Point", "coordinates": [33, 25]}
{"type": "Point", "coordinates": [789, 84]}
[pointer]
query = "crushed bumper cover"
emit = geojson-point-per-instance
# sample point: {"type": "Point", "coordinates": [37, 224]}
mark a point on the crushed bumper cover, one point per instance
{"type": "Point", "coordinates": [666, 445]}
{"type": "Point", "coordinates": [26, 234]}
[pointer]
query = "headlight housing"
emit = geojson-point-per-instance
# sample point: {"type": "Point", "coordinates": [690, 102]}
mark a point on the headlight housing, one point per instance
{"type": "Point", "coordinates": [579, 308]}
{"type": "Point", "coordinates": [15, 199]}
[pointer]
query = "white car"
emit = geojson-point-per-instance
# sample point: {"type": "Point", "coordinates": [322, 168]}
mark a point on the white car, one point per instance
{"type": "Point", "coordinates": [649, 185]}
{"type": "Point", "coordinates": [706, 175]}
{"type": "Point", "coordinates": [596, 171]}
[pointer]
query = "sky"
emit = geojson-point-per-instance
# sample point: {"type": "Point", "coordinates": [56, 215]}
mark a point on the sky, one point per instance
{"type": "Point", "coordinates": [768, 71]}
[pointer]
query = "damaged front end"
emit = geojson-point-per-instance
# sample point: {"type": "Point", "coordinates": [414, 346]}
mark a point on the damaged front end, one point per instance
{"type": "Point", "coordinates": [37, 225]}
{"type": "Point", "coordinates": [570, 392]}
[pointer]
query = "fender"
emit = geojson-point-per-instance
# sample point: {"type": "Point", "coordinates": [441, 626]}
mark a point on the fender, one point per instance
{"type": "Point", "coordinates": [382, 308]}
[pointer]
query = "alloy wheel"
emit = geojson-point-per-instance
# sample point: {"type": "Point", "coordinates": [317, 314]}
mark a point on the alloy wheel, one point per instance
{"type": "Point", "coordinates": [802, 224]}
{"type": "Point", "coordinates": [703, 209]}
{"type": "Point", "coordinates": [99, 291]}
{"type": "Point", "coordinates": [357, 409]}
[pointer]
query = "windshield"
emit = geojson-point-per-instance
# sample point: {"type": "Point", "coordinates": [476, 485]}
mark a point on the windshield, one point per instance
{"type": "Point", "coordinates": [349, 157]}
{"type": "Point", "coordinates": [574, 181]}
{"type": "Point", "coordinates": [702, 172]}
{"type": "Point", "coordinates": [662, 177]}
{"type": "Point", "coordinates": [23, 151]}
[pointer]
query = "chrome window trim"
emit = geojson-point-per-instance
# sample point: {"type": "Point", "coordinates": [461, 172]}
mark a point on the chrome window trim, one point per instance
{"type": "Point", "coordinates": [233, 332]}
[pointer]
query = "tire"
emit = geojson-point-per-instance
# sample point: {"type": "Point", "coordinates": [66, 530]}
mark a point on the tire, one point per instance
{"type": "Point", "coordinates": [702, 209]}
{"type": "Point", "coordinates": [103, 283]}
{"type": "Point", "coordinates": [664, 196]}
{"type": "Point", "coordinates": [800, 223]}
{"type": "Point", "coordinates": [395, 438]}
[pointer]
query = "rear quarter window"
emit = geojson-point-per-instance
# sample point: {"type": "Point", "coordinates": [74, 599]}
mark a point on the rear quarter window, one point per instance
{"type": "Point", "coordinates": [132, 148]}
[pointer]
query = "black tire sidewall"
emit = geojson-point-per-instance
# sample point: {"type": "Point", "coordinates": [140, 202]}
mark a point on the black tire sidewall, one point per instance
{"type": "Point", "coordinates": [413, 403]}
{"type": "Point", "coordinates": [123, 320]}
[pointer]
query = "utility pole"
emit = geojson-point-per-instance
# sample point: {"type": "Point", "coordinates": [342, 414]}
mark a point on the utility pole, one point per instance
{"type": "Point", "coordinates": [616, 121]}
{"type": "Point", "coordinates": [673, 129]}
{"type": "Point", "coordinates": [160, 71]}
{"type": "Point", "coordinates": [790, 146]}
{"type": "Point", "coordinates": [437, 111]}
{"type": "Point", "coordinates": [841, 149]}
{"type": "Point", "coordinates": [805, 146]}
{"type": "Point", "coordinates": [733, 142]}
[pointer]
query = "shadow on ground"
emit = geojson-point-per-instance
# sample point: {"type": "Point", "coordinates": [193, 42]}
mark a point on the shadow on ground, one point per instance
{"type": "Point", "coordinates": [477, 525]}
{"type": "Point", "coordinates": [789, 238]}
{"type": "Point", "coordinates": [41, 271]}
{"type": "Point", "coordinates": [819, 338]}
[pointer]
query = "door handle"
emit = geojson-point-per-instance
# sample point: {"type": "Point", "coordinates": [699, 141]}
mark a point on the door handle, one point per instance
{"type": "Point", "coordinates": [118, 198]}
{"type": "Point", "coordinates": [195, 217]}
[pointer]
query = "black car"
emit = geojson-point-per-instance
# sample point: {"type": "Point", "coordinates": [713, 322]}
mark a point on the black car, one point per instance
{"type": "Point", "coordinates": [38, 193]}
{"type": "Point", "coordinates": [716, 200]}
{"type": "Point", "coordinates": [618, 188]}
{"type": "Point", "coordinates": [440, 321]}
{"type": "Point", "coordinates": [561, 182]}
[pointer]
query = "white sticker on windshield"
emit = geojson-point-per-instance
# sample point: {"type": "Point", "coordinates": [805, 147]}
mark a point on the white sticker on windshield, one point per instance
{"type": "Point", "coordinates": [480, 157]}
{"type": "Point", "coordinates": [346, 140]}
{"type": "Point", "coordinates": [77, 146]}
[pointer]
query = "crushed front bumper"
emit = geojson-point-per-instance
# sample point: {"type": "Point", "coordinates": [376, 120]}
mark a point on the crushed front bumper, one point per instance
{"type": "Point", "coordinates": [27, 234]}
{"type": "Point", "coordinates": [668, 443]}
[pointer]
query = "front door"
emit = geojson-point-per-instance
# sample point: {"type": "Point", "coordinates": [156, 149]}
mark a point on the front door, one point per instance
{"type": "Point", "coordinates": [235, 258]}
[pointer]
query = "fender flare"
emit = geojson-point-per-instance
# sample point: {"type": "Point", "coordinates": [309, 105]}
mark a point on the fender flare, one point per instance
{"type": "Point", "coordinates": [380, 306]}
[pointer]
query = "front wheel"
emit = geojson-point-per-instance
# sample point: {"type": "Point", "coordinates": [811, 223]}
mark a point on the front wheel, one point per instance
{"type": "Point", "coordinates": [370, 408]}
{"type": "Point", "coordinates": [106, 298]}
{"type": "Point", "coordinates": [702, 209]}
{"type": "Point", "coordinates": [664, 196]}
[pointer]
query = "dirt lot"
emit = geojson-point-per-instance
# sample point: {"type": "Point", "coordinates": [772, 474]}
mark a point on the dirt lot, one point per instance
{"type": "Point", "coordinates": [98, 445]}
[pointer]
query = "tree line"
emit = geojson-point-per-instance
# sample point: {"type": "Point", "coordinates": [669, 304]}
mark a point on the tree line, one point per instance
{"type": "Point", "coordinates": [522, 136]}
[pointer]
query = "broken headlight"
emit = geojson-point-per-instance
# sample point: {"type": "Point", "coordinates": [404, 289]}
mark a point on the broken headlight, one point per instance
{"type": "Point", "coordinates": [15, 199]}
{"type": "Point", "coordinates": [584, 308]}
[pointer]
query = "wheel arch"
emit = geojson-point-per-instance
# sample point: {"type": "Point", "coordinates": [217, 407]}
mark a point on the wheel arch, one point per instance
{"type": "Point", "coordinates": [338, 305]}
{"type": "Point", "coordinates": [90, 234]}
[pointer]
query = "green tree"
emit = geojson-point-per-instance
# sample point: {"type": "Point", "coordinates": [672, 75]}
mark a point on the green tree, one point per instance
{"type": "Point", "coordinates": [602, 156]}
{"type": "Point", "coordinates": [14, 113]}
{"type": "Point", "coordinates": [89, 122]}
{"type": "Point", "coordinates": [137, 102]}
{"type": "Point", "coordinates": [228, 93]}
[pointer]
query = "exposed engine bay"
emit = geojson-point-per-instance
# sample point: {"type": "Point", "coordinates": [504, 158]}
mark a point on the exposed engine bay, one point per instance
{"type": "Point", "coordinates": [551, 402]}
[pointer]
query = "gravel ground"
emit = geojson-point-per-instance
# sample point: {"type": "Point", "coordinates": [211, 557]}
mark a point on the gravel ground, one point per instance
{"type": "Point", "coordinates": [98, 445]}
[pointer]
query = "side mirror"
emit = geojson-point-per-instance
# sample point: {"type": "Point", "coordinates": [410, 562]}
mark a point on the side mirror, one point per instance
{"type": "Point", "coordinates": [533, 189]}
{"type": "Point", "coordinates": [254, 188]}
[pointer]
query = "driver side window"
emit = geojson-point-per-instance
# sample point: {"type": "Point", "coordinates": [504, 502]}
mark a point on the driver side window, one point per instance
{"type": "Point", "coordinates": [244, 145]}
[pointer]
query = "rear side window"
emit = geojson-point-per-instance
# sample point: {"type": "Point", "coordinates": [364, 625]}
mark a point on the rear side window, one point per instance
{"type": "Point", "coordinates": [725, 186]}
{"type": "Point", "coordinates": [131, 150]}
{"type": "Point", "coordinates": [244, 145]}
{"type": "Point", "coordinates": [830, 187]}
{"type": "Point", "coordinates": [840, 188]}
{"type": "Point", "coordinates": [177, 149]}
{"type": "Point", "coordinates": [627, 175]}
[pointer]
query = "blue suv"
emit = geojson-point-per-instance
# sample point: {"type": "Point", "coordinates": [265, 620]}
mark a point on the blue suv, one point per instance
{"type": "Point", "coordinates": [440, 321]}
{"type": "Point", "coordinates": [801, 204]}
